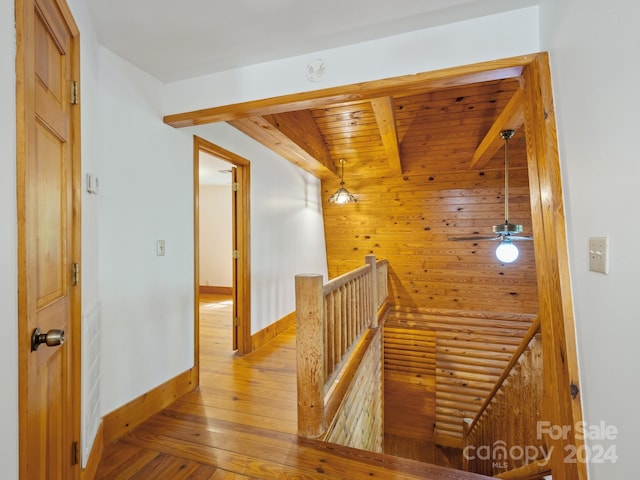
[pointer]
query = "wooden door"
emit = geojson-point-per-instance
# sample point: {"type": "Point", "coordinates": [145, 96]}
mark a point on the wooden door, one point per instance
{"type": "Point", "coordinates": [48, 229]}
{"type": "Point", "coordinates": [236, 252]}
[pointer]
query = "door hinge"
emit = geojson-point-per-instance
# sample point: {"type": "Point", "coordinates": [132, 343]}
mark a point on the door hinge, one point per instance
{"type": "Point", "coordinates": [76, 274]}
{"type": "Point", "coordinates": [236, 254]}
{"type": "Point", "coordinates": [74, 454]}
{"type": "Point", "coordinates": [235, 186]}
{"type": "Point", "coordinates": [74, 93]}
{"type": "Point", "coordinates": [236, 321]}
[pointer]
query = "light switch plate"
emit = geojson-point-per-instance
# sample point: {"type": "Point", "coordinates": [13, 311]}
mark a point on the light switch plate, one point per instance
{"type": "Point", "coordinates": [599, 254]}
{"type": "Point", "coordinates": [160, 248]}
{"type": "Point", "coordinates": [93, 184]}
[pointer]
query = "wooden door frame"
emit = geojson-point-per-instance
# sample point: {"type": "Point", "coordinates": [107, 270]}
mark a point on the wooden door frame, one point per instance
{"type": "Point", "coordinates": [25, 112]}
{"type": "Point", "coordinates": [242, 287]}
{"type": "Point", "coordinates": [561, 381]}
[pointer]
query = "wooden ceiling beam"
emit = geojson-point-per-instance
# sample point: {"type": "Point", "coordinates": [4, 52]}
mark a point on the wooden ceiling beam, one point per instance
{"type": "Point", "coordinates": [398, 86]}
{"type": "Point", "coordinates": [294, 136]}
{"type": "Point", "coordinates": [386, 120]}
{"type": "Point", "coordinates": [511, 118]}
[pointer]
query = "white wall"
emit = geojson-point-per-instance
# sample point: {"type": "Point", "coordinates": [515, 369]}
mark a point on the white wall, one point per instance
{"type": "Point", "coordinates": [593, 48]}
{"type": "Point", "coordinates": [287, 231]}
{"type": "Point", "coordinates": [481, 39]}
{"type": "Point", "coordinates": [146, 194]}
{"type": "Point", "coordinates": [216, 245]}
{"type": "Point", "coordinates": [8, 247]}
{"type": "Point", "coordinates": [90, 128]}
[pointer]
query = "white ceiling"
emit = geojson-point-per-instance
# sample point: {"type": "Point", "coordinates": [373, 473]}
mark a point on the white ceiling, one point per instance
{"type": "Point", "coordinates": [177, 39]}
{"type": "Point", "coordinates": [213, 170]}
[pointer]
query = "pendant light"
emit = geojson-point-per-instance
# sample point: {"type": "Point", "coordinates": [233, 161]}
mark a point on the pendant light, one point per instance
{"type": "Point", "coordinates": [506, 233]}
{"type": "Point", "coordinates": [506, 252]}
{"type": "Point", "coordinates": [342, 195]}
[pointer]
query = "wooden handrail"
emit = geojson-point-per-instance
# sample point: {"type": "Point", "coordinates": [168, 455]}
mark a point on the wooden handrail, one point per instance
{"type": "Point", "coordinates": [345, 278]}
{"type": "Point", "coordinates": [533, 330]}
{"type": "Point", "coordinates": [508, 417]}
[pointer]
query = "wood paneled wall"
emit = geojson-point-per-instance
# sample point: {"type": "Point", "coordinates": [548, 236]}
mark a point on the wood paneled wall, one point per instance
{"type": "Point", "coordinates": [409, 220]}
{"type": "Point", "coordinates": [409, 383]}
{"type": "Point", "coordinates": [358, 422]}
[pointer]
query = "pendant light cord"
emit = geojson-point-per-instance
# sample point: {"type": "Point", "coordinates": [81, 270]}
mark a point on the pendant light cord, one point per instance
{"type": "Point", "coordinates": [506, 136]}
{"type": "Point", "coordinates": [506, 180]}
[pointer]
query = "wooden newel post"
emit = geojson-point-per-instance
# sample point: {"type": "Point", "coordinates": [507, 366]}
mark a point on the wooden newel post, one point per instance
{"type": "Point", "coordinates": [371, 260]}
{"type": "Point", "coordinates": [310, 354]}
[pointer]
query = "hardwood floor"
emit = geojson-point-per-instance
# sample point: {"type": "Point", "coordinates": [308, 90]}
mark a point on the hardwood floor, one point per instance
{"type": "Point", "coordinates": [241, 423]}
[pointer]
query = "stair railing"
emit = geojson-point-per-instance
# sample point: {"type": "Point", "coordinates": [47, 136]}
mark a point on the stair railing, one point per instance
{"type": "Point", "coordinates": [336, 326]}
{"type": "Point", "coordinates": [502, 437]}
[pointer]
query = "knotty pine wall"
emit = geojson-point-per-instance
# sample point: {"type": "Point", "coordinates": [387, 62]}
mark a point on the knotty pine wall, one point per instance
{"type": "Point", "coordinates": [359, 420]}
{"type": "Point", "coordinates": [408, 220]}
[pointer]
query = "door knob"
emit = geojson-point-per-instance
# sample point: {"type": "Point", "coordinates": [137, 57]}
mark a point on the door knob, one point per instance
{"type": "Point", "coordinates": [52, 338]}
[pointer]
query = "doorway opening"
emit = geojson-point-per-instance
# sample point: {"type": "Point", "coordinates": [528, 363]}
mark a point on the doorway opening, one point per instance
{"type": "Point", "coordinates": [216, 262]}
{"type": "Point", "coordinates": [221, 241]}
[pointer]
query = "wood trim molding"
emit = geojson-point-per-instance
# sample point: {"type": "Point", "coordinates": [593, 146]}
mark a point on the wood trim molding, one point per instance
{"type": "Point", "coordinates": [563, 406]}
{"type": "Point", "coordinates": [448, 77]}
{"type": "Point", "coordinates": [216, 290]}
{"type": "Point", "coordinates": [90, 470]}
{"type": "Point", "coordinates": [270, 332]}
{"type": "Point", "coordinates": [130, 415]}
{"type": "Point", "coordinates": [196, 259]}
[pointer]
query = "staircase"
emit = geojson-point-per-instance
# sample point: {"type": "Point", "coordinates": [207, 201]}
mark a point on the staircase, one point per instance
{"type": "Point", "coordinates": [457, 356]}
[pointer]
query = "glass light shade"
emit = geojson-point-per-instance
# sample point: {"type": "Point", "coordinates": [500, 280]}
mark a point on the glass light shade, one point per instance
{"type": "Point", "coordinates": [342, 197]}
{"type": "Point", "coordinates": [507, 252]}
